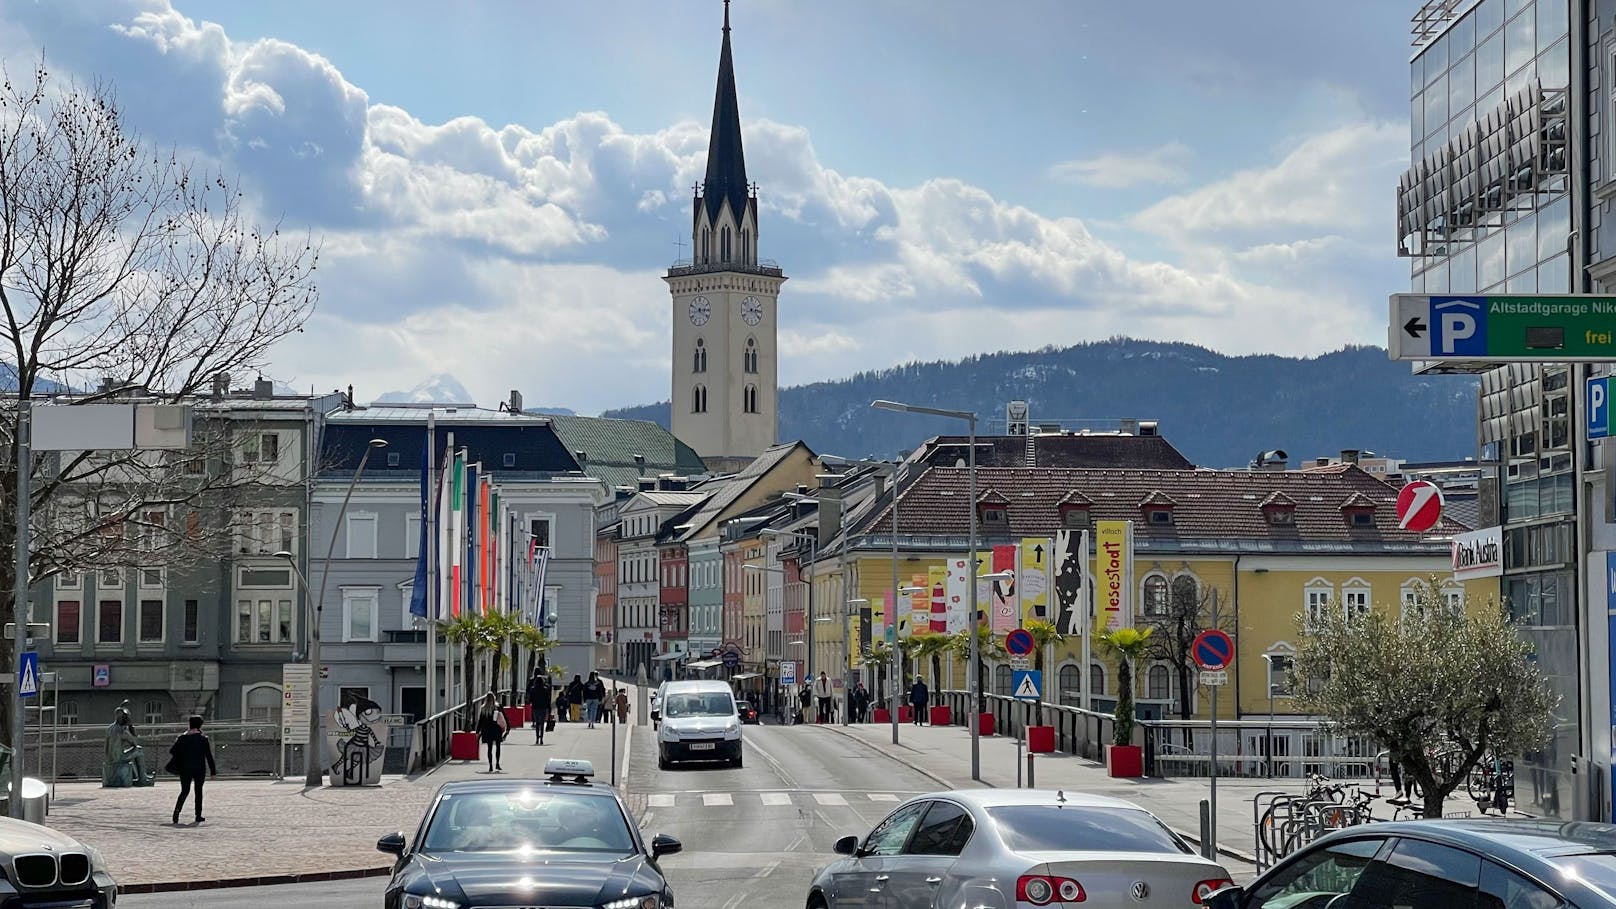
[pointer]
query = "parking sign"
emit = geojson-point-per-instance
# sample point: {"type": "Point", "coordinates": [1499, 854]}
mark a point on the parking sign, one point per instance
{"type": "Point", "coordinates": [1599, 407]}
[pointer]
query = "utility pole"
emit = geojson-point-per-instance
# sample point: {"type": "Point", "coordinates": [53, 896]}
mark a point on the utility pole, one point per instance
{"type": "Point", "coordinates": [19, 610]}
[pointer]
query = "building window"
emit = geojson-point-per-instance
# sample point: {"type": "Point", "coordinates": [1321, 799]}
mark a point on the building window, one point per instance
{"type": "Point", "coordinates": [1001, 679]}
{"type": "Point", "coordinates": [265, 532]}
{"type": "Point", "coordinates": [725, 242]}
{"type": "Point", "coordinates": [361, 536]}
{"type": "Point", "coordinates": [109, 580]}
{"type": "Point", "coordinates": [193, 614]}
{"type": "Point", "coordinates": [68, 621]}
{"type": "Point", "coordinates": [698, 399]}
{"type": "Point", "coordinates": [706, 253]}
{"type": "Point", "coordinates": [1279, 675]}
{"type": "Point", "coordinates": [749, 357]}
{"type": "Point", "coordinates": [1453, 598]}
{"type": "Point", "coordinates": [1075, 518]}
{"type": "Point", "coordinates": [1409, 597]}
{"type": "Point", "coordinates": [1355, 598]}
{"type": "Point", "coordinates": [749, 399]}
{"type": "Point", "coordinates": [264, 578]}
{"type": "Point", "coordinates": [1155, 598]}
{"type": "Point", "coordinates": [109, 622]}
{"type": "Point", "coordinates": [261, 448]}
{"type": "Point", "coordinates": [69, 712]}
{"type": "Point", "coordinates": [263, 621]}
{"type": "Point", "coordinates": [1096, 680]}
{"type": "Point", "coordinates": [151, 579]}
{"type": "Point", "coordinates": [1159, 684]}
{"type": "Point", "coordinates": [995, 516]}
{"type": "Point", "coordinates": [155, 712]}
{"type": "Point", "coordinates": [70, 580]}
{"type": "Point", "coordinates": [746, 245]}
{"type": "Point", "coordinates": [1316, 599]}
{"type": "Point", "coordinates": [359, 614]}
{"type": "Point", "coordinates": [1159, 515]}
{"type": "Point", "coordinates": [1071, 692]}
{"type": "Point", "coordinates": [1280, 516]}
{"type": "Point", "coordinates": [412, 535]}
{"type": "Point", "coordinates": [539, 528]}
{"type": "Point", "coordinates": [261, 704]}
{"type": "Point", "coordinates": [1186, 595]}
{"type": "Point", "coordinates": [151, 621]}
{"type": "Point", "coordinates": [699, 363]}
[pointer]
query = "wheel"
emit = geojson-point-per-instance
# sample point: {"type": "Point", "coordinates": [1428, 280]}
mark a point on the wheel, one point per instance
{"type": "Point", "coordinates": [816, 901]}
{"type": "Point", "coordinates": [662, 761]}
{"type": "Point", "coordinates": [736, 762]}
{"type": "Point", "coordinates": [1480, 783]}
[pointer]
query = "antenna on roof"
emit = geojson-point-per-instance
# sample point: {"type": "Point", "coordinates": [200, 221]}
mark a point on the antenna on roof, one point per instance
{"type": "Point", "coordinates": [1060, 796]}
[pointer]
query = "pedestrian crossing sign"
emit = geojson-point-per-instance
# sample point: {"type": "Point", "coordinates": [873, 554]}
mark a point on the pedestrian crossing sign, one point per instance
{"type": "Point", "coordinates": [28, 675]}
{"type": "Point", "coordinates": [1026, 684]}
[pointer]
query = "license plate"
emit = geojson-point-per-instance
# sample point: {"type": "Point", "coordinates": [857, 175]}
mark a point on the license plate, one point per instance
{"type": "Point", "coordinates": [703, 746]}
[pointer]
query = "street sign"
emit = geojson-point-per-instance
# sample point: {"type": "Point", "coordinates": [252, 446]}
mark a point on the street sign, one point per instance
{"type": "Point", "coordinates": [1599, 407]}
{"type": "Point", "coordinates": [1212, 650]}
{"type": "Point", "coordinates": [297, 688]}
{"type": "Point", "coordinates": [1026, 684]}
{"type": "Point", "coordinates": [1214, 679]}
{"type": "Point", "coordinates": [1527, 328]}
{"type": "Point", "coordinates": [1419, 506]}
{"type": "Point", "coordinates": [732, 658]}
{"type": "Point", "coordinates": [1019, 642]}
{"type": "Point", "coordinates": [28, 675]}
{"type": "Point", "coordinates": [1020, 662]}
{"type": "Point", "coordinates": [788, 672]}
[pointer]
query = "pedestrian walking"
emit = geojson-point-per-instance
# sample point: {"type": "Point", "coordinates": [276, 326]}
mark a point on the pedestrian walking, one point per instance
{"type": "Point", "coordinates": [805, 697]}
{"type": "Point", "coordinates": [539, 695]}
{"type": "Point", "coordinates": [575, 694]}
{"type": "Point", "coordinates": [492, 728]}
{"type": "Point", "coordinates": [594, 692]}
{"type": "Point", "coordinates": [860, 702]}
{"type": "Point", "coordinates": [191, 759]}
{"type": "Point", "coordinates": [919, 698]}
{"type": "Point", "coordinates": [622, 706]}
{"type": "Point", "coordinates": [822, 693]}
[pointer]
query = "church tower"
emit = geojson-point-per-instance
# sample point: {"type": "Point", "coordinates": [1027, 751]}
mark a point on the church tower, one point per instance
{"type": "Point", "coordinates": [725, 305]}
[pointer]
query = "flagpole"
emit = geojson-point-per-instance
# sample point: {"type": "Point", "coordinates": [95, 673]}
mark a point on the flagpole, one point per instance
{"type": "Point", "coordinates": [434, 488]}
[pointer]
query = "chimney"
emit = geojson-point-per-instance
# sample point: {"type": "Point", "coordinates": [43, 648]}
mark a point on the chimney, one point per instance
{"type": "Point", "coordinates": [1130, 426]}
{"type": "Point", "coordinates": [1349, 455]}
{"type": "Point", "coordinates": [639, 464]}
{"type": "Point", "coordinates": [516, 402]}
{"type": "Point", "coordinates": [263, 389]}
{"type": "Point", "coordinates": [830, 513]}
{"type": "Point", "coordinates": [1321, 462]}
{"type": "Point", "coordinates": [1149, 428]}
{"type": "Point", "coordinates": [221, 386]}
{"type": "Point", "coordinates": [107, 384]}
{"type": "Point", "coordinates": [582, 457]}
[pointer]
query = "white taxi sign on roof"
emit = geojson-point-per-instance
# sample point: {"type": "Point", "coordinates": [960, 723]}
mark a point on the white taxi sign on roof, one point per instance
{"type": "Point", "coordinates": [568, 767]}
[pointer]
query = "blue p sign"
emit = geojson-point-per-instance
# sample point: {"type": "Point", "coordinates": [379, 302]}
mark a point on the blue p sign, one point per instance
{"type": "Point", "coordinates": [1459, 327]}
{"type": "Point", "coordinates": [1599, 407]}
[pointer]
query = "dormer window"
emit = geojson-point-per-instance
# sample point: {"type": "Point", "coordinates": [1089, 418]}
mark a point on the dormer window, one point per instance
{"type": "Point", "coordinates": [1157, 508]}
{"type": "Point", "coordinates": [1074, 510]}
{"type": "Point", "coordinates": [993, 509]}
{"type": "Point", "coordinates": [1358, 511]}
{"type": "Point", "coordinates": [1279, 510]}
{"type": "Point", "coordinates": [995, 516]}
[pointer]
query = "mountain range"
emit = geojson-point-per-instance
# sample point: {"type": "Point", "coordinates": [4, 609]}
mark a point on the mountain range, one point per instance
{"type": "Point", "coordinates": [1219, 410]}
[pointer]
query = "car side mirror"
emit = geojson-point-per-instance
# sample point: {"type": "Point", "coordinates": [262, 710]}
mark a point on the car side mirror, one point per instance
{"type": "Point", "coordinates": [847, 845]}
{"type": "Point", "coordinates": [1230, 897]}
{"type": "Point", "coordinates": [392, 844]}
{"type": "Point", "coordinates": [662, 844]}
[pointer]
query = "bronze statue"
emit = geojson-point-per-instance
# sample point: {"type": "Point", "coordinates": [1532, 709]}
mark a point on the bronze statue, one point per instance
{"type": "Point", "coordinates": [126, 759]}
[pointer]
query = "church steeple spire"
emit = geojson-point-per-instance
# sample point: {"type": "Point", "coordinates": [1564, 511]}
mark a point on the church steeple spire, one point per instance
{"type": "Point", "coordinates": [726, 159]}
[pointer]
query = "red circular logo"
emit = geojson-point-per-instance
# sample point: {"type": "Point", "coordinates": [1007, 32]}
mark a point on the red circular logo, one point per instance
{"type": "Point", "coordinates": [1419, 506]}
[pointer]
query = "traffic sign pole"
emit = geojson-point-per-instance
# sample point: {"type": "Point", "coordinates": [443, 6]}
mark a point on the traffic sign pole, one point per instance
{"type": "Point", "coordinates": [19, 605]}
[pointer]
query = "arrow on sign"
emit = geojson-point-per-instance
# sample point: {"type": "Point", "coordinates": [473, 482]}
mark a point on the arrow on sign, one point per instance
{"type": "Point", "coordinates": [1415, 327]}
{"type": "Point", "coordinates": [1038, 554]}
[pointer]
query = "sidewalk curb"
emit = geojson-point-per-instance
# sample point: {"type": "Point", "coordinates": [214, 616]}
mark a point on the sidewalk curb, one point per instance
{"type": "Point", "coordinates": [266, 880]}
{"type": "Point", "coordinates": [946, 784]}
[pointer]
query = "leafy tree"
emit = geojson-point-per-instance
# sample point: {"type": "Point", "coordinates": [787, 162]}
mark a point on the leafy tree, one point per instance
{"type": "Point", "coordinates": [1180, 613]}
{"type": "Point", "coordinates": [125, 272]}
{"type": "Point", "coordinates": [1044, 635]}
{"type": "Point", "coordinates": [880, 656]}
{"type": "Point", "coordinates": [1128, 645]}
{"type": "Point", "coordinates": [1433, 677]}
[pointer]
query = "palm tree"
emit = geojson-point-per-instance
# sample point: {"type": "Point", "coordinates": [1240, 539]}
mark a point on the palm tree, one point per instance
{"type": "Point", "coordinates": [463, 630]}
{"type": "Point", "coordinates": [880, 656]}
{"type": "Point", "coordinates": [932, 645]}
{"type": "Point", "coordinates": [531, 638]}
{"type": "Point", "coordinates": [1127, 645]}
{"type": "Point", "coordinates": [989, 651]}
{"type": "Point", "coordinates": [498, 629]}
{"type": "Point", "coordinates": [1044, 635]}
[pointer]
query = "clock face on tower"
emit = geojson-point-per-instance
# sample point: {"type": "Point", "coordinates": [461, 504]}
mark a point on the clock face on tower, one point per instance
{"type": "Point", "coordinates": [751, 310]}
{"type": "Point", "coordinates": [700, 311]}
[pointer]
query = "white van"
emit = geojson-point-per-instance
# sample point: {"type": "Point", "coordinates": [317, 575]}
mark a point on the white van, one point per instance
{"type": "Point", "coordinates": [699, 723]}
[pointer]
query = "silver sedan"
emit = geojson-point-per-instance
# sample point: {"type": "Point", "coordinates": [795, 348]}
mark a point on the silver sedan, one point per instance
{"type": "Point", "coordinates": [1013, 849]}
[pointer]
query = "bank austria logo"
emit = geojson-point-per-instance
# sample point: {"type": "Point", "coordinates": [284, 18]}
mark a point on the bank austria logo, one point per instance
{"type": "Point", "coordinates": [1478, 554]}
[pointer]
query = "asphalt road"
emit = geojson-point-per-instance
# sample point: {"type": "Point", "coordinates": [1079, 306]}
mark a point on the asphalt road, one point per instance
{"type": "Point", "coordinates": [364, 893]}
{"type": "Point", "coordinates": [755, 836]}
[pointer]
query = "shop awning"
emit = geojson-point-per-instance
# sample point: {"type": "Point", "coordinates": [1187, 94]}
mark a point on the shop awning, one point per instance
{"type": "Point", "coordinates": [665, 657]}
{"type": "Point", "coordinates": [743, 676]}
{"type": "Point", "coordinates": [703, 664]}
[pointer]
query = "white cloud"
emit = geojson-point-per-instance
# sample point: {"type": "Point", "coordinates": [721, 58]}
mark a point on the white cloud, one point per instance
{"type": "Point", "coordinates": [1160, 166]}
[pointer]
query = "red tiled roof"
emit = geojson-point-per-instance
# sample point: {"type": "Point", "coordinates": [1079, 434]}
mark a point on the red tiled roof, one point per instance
{"type": "Point", "coordinates": [1277, 499]}
{"type": "Point", "coordinates": [992, 497]}
{"type": "Point", "coordinates": [1157, 497]}
{"type": "Point", "coordinates": [1212, 506]}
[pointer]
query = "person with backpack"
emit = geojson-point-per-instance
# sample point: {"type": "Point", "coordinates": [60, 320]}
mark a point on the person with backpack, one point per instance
{"type": "Point", "coordinates": [191, 759]}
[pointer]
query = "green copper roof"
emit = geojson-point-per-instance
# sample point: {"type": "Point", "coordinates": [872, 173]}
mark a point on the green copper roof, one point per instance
{"type": "Point", "coordinates": [609, 446]}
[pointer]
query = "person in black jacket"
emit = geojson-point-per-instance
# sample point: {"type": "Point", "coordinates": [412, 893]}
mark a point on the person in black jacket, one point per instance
{"type": "Point", "coordinates": [539, 695]}
{"type": "Point", "coordinates": [575, 692]}
{"type": "Point", "coordinates": [594, 693]}
{"type": "Point", "coordinates": [192, 759]}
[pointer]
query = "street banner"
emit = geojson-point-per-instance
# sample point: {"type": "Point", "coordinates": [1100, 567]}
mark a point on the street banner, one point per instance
{"type": "Point", "coordinates": [1006, 604]}
{"type": "Point", "coordinates": [1113, 558]}
{"type": "Point", "coordinates": [937, 580]}
{"type": "Point", "coordinates": [984, 589]}
{"type": "Point", "coordinates": [878, 616]}
{"type": "Point", "coordinates": [1071, 562]}
{"type": "Point", "coordinates": [1032, 579]}
{"type": "Point", "coordinates": [919, 606]}
{"type": "Point", "coordinates": [855, 651]}
{"type": "Point", "coordinates": [959, 575]}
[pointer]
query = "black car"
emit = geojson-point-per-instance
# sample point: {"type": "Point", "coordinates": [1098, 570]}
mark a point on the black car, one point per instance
{"type": "Point", "coordinates": [560, 841]}
{"type": "Point", "coordinates": [1487, 863]}
{"type": "Point", "coordinates": [747, 712]}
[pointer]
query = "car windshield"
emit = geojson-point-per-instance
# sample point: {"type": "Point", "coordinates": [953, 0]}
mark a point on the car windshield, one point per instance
{"type": "Point", "coordinates": [713, 703]}
{"type": "Point", "coordinates": [1596, 868]}
{"type": "Point", "coordinates": [528, 819]}
{"type": "Point", "coordinates": [1054, 828]}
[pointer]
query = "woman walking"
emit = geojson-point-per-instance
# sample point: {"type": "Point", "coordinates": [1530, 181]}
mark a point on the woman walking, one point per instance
{"type": "Point", "coordinates": [191, 758]}
{"type": "Point", "coordinates": [539, 695]}
{"type": "Point", "coordinates": [491, 729]}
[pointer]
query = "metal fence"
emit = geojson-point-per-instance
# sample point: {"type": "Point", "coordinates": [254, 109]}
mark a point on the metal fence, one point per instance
{"type": "Point", "coordinates": [428, 743]}
{"type": "Point", "coordinates": [78, 753]}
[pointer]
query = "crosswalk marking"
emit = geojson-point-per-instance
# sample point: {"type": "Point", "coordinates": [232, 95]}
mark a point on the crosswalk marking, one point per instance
{"type": "Point", "coordinates": [776, 798]}
{"type": "Point", "coordinates": [711, 799]}
{"type": "Point", "coordinates": [883, 797]}
{"type": "Point", "coordinates": [773, 799]}
{"type": "Point", "coordinates": [660, 800]}
{"type": "Point", "coordinates": [829, 798]}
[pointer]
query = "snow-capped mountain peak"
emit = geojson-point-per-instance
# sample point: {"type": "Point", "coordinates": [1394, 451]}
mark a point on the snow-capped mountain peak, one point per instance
{"type": "Point", "coordinates": [439, 389]}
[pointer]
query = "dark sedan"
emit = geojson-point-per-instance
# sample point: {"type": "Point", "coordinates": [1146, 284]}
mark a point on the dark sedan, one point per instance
{"type": "Point", "coordinates": [1487, 863]}
{"type": "Point", "coordinates": [746, 711]}
{"type": "Point", "coordinates": [560, 841]}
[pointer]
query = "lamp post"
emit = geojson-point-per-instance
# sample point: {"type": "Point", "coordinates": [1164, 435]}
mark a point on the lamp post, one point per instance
{"type": "Point", "coordinates": [315, 775]}
{"type": "Point", "coordinates": [973, 676]}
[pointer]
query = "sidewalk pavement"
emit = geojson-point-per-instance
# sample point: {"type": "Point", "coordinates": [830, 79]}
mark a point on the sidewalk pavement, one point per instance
{"type": "Point", "coordinates": [276, 831]}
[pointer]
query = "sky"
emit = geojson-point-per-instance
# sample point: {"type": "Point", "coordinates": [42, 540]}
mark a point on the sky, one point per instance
{"type": "Point", "coordinates": [498, 186]}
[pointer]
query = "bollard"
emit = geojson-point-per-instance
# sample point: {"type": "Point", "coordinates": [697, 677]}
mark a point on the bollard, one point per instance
{"type": "Point", "coordinates": [1206, 830]}
{"type": "Point", "coordinates": [1030, 783]}
{"type": "Point", "coordinates": [1018, 763]}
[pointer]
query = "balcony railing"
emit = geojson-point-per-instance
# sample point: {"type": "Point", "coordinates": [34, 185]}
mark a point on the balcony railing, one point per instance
{"type": "Point", "coordinates": [684, 267]}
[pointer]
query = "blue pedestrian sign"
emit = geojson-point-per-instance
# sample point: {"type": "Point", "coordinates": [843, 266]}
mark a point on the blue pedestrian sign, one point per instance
{"type": "Point", "coordinates": [1599, 407]}
{"type": "Point", "coordinates": [1027, 684]}
{"type": "Point", "coordinates": [28, 675]}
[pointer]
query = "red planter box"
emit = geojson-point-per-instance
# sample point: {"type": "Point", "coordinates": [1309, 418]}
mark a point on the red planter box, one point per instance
{"type": "Point", "coordinates": [906, 713]}
{"type": "Point", "coordinates": [513, 717]}
{"type": "Point", "coordinates": [527, 714]}
{"type": "Point", "coordinates": [463, 746]}
{"type": "Point", "coordinates": [941, 715]}
{"type": "Point", "coordinates": [881, 715]}
{"type": "Point", "coordinates": [1125, 761]}
{"type": "Point", "coordinates": [985, 725]}
{"type": "Point", "coordinates": [1040, 739]}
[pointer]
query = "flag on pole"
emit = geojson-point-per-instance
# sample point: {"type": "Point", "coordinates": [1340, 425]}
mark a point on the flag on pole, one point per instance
{"type": "Point", "coordinates": [472, 535]}
{"type": "Point", "coordinates": [418, 591]}
{"type": "Point", "coordinates": [541, 565]}
{"type": "Point", "coordinates": [445, 534]}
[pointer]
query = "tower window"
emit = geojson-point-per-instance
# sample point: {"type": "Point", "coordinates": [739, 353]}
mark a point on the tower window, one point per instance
{"type": "Point", "coordinates": [698, 399]}
{"type": "Point", "coordinates": [705, 234]}
{"type": "Point", "coordinates": [749, 399]}
{"type": "Point", "coordinates": [700, 364]}
{"type": "Point", "coordinates": [746, 246]}
{"type": "Point", "coordinates": [749, 357]}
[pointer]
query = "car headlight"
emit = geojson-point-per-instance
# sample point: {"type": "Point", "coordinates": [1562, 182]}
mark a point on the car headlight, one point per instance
{"type": "Point", "coordinates": [669, 734]}
{"type": "Point", "coordinates": [733, 726]}
{"type": "Point", "coordinates": [649, 901]}
{"type": "Point", "coordinates": [413, 901]}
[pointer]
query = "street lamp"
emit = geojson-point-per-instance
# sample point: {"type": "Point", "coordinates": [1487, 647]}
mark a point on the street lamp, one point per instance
{"type": "Point", "coordinates": [974, 678]}
{"type": "Point", "coordinates": [315, 775]}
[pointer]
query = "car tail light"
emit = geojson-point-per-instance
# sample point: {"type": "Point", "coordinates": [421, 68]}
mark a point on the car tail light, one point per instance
{"type": "Point", "coordinates": [1205, 889]}
{"type": "Point", "coordinates": [1041, 890]}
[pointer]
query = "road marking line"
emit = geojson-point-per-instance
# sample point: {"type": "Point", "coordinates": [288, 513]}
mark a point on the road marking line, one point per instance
{"type": "Point", "coordinates": [766, 870]}
{"type": "Point", "coordinates": [649, 817]}
{"type": "Point", "coordinates": [712, 799]}
{"type": "Point", "coordinates": [883, 797]}
{"type": "Point", "coordinates": [829, 798]}
{"type": "Point", "coordinates": [660, 800]}
{"type": "Point", "coordinates": [776, 798]}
